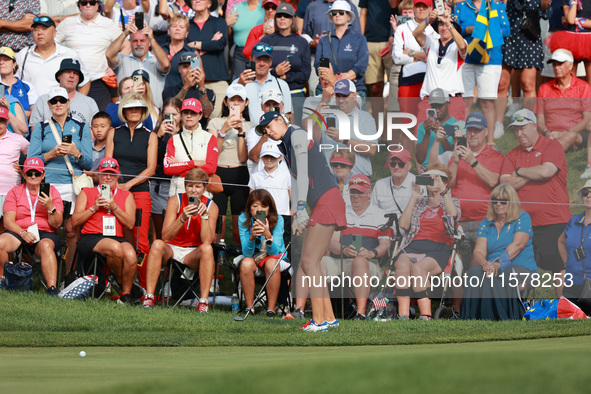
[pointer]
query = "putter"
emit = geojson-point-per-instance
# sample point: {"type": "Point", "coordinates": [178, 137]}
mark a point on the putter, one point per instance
{"type": "Point", "coordinates": [260, 295]}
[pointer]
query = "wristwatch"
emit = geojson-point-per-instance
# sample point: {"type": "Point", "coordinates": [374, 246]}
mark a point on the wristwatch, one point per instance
{"type": "Point", "coordinates": [241, 135]}
{"type": "Point", "coordinates": [79, 156]}
{"type": "Point", "coordinates": [205, 217]}
{"type": "Point", "coordinates": [52, 211]}
{"type": "Point", "coordinates": [475, 164]}
{"type": "Point", "coordinates": [411, 52]}
{"type": "Point", "coordinates": [517, 171]}
{"type": "Point", "coordinates": [375, 252]}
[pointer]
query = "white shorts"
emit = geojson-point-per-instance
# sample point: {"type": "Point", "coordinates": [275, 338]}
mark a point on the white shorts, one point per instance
{"type": "Point", "coordinates": [485, 76]}
{"type": "Point", "coordinates": [66, 191]}
{"type": "Point", "coordinates": [179, 253]}
{"type": "Point", "coordinates": [333, 267]}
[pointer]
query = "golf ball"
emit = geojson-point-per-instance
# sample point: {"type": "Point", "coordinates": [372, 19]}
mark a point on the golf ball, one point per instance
{"type": "Point", "coordinates": [82, 353]}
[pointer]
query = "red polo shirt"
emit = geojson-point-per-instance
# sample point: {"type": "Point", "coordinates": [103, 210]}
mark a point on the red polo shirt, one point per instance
{"type": "Point", "coordinates": [546, 202]}
{"type": "Point", "coordinates": [563, 109]}
{"type": "Point", "coordinates": [473, 193]}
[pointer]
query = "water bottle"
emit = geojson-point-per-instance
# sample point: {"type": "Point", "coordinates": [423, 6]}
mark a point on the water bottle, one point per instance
{"type": "Point", "coordinates": [222, 253]}
{"type": "Point", "coordinates": [235, 303]}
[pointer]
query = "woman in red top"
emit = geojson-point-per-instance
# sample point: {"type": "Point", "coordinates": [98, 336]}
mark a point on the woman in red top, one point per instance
{"type": "Point", "coordinates": [32, 224]}
{"type": "Point", "coordinates": [102, 220]}
{"type": "Point", "coordinates": [187, 234]}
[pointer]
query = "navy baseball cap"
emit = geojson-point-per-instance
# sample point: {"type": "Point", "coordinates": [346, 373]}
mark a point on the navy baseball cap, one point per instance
{"type": "Point", "coordinates": [265, 120]}
{"type": "Point", "coordinates": [476, 120]}
{"type": "Point", "coordinates": [262, 49]}
{"type": "Point", "coordinates": [186, 57]}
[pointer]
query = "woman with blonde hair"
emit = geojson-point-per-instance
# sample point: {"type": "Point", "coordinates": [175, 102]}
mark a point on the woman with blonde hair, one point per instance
{"type": "Point", "coordinates": [143, 88]}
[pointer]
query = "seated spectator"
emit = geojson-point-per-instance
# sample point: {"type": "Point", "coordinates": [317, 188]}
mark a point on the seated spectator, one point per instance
{"type": "Point", "coordinates": [192, 86]}
{"type": "Point", "coordinates": [178, 30]}
{"type": "Point", "coordinates": [359, 121]}
{"type": "Point", "coordinates": [154, 64]}
{"type": "Point", "coordinates": [574, 239]}
{"type": "Point", "coordinates": [537, 170]}
{"type": "Point", "coordinates": [393, 193]}
{"type": "Point", "coordinates": [345, 47]}
{"type": "Point", "coordinates": [342, 163]}
{"type": "Point", "coordinates": [103, 221]}
{"type": "Point", "coordinates": [427, 244]}
{"type": "Point", "coordinates": [563, 106]}
{"type": "Point", "coordinates": [442, 125]}
{"type": "Point", "coordinates": [187, 234]}
{"type": "Point", "coordinates": [126, 86]}
{"type": "Point", "coordinates": [362, 242]}
{"type": "Point", "coordinates": [503, 247]}
{"type": "Point", "coordinates": [262, 30]}
{"type": "Point", "coordinates": [17, 118]}
{"type": "Point", "coordinates": [256, 81]}
{"type": "Point", "coordinates": [33, 225]}
{"type": "Point", "coordinates": [11, 147]}
{"type": "Point", "coordinates": [101, 126]}
{"type": "Point", "coordinates": [24, 92]}
{"type": "Point", "coordinates": [82, 108]}
{"type": "Point", "coordinates": [145, 90]}
{"type": "Point", "coordinates": [258, 236]}
{"type": "Point", "coordinates": [230, 131]}
{"type": "Point", "coordinates": [192, 147]}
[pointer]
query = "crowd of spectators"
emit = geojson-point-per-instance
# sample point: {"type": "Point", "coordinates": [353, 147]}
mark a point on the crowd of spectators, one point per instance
{"type": "Point", "coordinates": [162, 102]}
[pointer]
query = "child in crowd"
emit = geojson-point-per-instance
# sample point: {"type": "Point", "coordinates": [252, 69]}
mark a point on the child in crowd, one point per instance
{"type": "Point", "coordinates": [101, 124]}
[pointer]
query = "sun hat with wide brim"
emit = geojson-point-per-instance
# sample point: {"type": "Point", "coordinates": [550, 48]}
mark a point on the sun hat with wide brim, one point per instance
{"type": "Point", "coordinates": [580, 191]}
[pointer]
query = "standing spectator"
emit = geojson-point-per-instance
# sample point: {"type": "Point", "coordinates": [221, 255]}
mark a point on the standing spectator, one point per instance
{"type": "Point", "coordinates": [126, 10]}
{"type": "Point", "coordinates": [393, 193]}
{"type": "Point", "coordinates": [563, 107]}
{"type": "Point", "coordinates": [537, 170]}
{"type": "Point", "coordinates": [522, 53]}
{"type": "Point", "coordinates": [58, 10]}
{"type": "Point", "coordinates": [262, 30]}
{"type": "Point", "coordinates": [168, 9]}
{"type": "Point", "coordinates": [24, 92]}
{"type": "Point", "coordinates": [101, 126]}
{"type": "Point", "coordinates": [374, 18]}
{"type": "Point", "coordinates": [145, 90]}
{"type": "Point", "coordinates": [46, 55]}
{"type": "Point", "coordinates": [243, 17]}
{"type": "Point", "coordinates": [155, 63]}
{"type": "Point", "coordinates": [175, 47]}
{"type": "Point", "coordinates": [346, 48]}
{"type": "Point", "coordinates": [15, 22]}
{"type": "Point", "coordinates": [82, 108]}
{"type": "Point", "coordinates": [127, 86]}
{"type": "Point", "coordinates": [90, 34]}
{"type": "Point", "coordinates": [11, 147]}
{"type": "Point", "coordinates": [209, 36]}
{"type": "Point", "coordinates": [477, 72]}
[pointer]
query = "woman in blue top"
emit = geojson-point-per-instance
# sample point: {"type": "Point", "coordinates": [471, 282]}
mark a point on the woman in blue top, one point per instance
{"type": "Point", "coordinates": [241, 20]}
{"type": "Point", "coordinates": [577, 265]}
{"type": "Point", "coordinates": [345, 48]}
{"type": "Point", "coordinates": [503, 249]}
{"type": "Point", "coordinates": [253, 232]}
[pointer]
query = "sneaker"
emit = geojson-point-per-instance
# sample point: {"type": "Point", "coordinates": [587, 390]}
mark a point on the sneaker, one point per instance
{"type": "Point", "coordinates": [499, 130]}
{"type": "Point", "coordinates": [332, 324]}
{"type": "Point", "coordinates": [297, 314]}
{"type": "Point", "coordinates": [425, 317]}
{"type": "Point", "coordinates": [359, 316]}
{"type": "Point", "coordinates": [587, 173]}
{"type": "Point", "coordinates": [125, 299]}
{"type": "Point", "coordinates": [149, 301]}
{"type": "Point", "coordinates": [137, 291]}
{"type": "Point", "coordinates": [512, 109]}
{"type": "Point", "coordinates": [311, 326]}
{"type": "Point", "coordinates": [271, 314]}
{"type": "Point", "coordinates": [52, 291]}
{"type": "Point", "coordinates": [202, 306]}
{"type": "Point", "coordinates": [402, 317]}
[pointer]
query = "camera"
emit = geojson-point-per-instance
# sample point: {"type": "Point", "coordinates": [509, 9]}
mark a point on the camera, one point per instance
{"type": "Point", "coordinates": [580, 253]}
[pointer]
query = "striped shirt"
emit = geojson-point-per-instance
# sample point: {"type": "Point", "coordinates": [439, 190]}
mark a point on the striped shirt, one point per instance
{"type": "Point", "coordinates": [90, 39]}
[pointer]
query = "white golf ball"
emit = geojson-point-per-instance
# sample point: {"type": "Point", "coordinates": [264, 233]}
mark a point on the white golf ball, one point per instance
{"type": "Point", "coordinates": [82, 353]}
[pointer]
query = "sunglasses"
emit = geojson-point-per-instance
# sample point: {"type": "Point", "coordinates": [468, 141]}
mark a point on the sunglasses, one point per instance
{"type": "Point", "coordinates": [270, 7]}
{"type": "Point", "coordinates": [283, 16]}
{"type": "Point", "coordinates": [56, 100]}
{"type": "Point", "coordinates": [186, 58]}
{"type": "Point", "coordinates": [42, 19]}
{"type": "Point", "coordinates": [396, 163]}
{"type": "Point", "coordinates": [521, 119]}
{"type": "Point", "coordinates": [263, 48]}
{"type": "Point", "coordinates": [585, 192]}
{"type": "Point", "coordinates": [339, 12]}
{"type": "Point", "coordinates": [109, 165]}
{"type": "Point", "coordinates": [503, 201]}
{"type": "Point", "coordinates": [92, 3]}
{"type": "Point", "coordinates": [339, 165]}
{"type": "Point", "coordinates": [355, 181]}
{"type": "Point", "coordinates": [33, 173]}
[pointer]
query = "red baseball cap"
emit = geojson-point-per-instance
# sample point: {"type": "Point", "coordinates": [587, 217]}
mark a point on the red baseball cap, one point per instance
{"type": "Point", "coordinates": [359, 182]}
{"type": "Point", "coordinates": [276, 2]}
{"type": "Point", "coordinates": [428, 3]}
{"type": "Point", "coordinates": [34, 163]}
{"type": "Point", "coordinates": [108, 164]}
{"type": "Point", "coordinates": [403, 155]}
{"type": "Point", "coordinates": [4, 113]}
{"type": "Point", "coordinates": [192, 105]}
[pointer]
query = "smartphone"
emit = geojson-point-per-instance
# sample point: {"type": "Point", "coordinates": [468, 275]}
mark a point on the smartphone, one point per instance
{"type": "Point", "coordinates": [235, 111]}
{"type": "Point", "coordinates": [250, 66]}
{"type": "Point", "coordinates": [44, 188]}
{"type": "Point", "coordinates": [272, 23]}
{"type": "Point", "coordinates": [2, 90]}
{"type": "Point", "coordinates": [106, 192]}
{"type": "Point", "coordinates": [424, 180]}
{"type": "Point", "coordinates": [400, 19]}
{"type": "Point", "coordinates": [356, 242]}
{"type": "Point", "coordinates": [168, 118]}
{"type": "Point", "coordinates": [439, 7]}
{"type": "Point", "coordinates": [67, 139]}
{"type": "Point", "coordinates": [262, 216]}
{"type": "Point", "coordinates": [450, 130]}
{"type": "Point", "coordinates": [137, 79]}
{"type": "Point", "coordinates": [193, 200]}
{"type": "Point", "coordinates": [275, 109]}
{"type": "Point", "coordinates": [331, 122]}
{"type": "Point", "coordinates": [431, 113]}
{"type": "Point", "coordinates": [289, 58]}
{"type": "Point", "coordinates": [324, 62]}
{"type": "Point", "coordinates": [139, 20]}
{"type": "Point", "coordinates": [462, 141]}
{"type": "Point", "coordinates": [195, 62]}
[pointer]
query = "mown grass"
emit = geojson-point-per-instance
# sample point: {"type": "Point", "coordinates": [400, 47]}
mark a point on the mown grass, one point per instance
{"type": "Point", "coordinates": [37, 320]}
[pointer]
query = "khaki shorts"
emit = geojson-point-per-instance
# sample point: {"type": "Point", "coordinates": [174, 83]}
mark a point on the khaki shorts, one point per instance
{"type": "Point", "coordinates": [377, 65]}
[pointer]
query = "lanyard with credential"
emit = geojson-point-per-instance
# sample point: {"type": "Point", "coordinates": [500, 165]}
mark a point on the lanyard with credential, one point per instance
{"type": "Point", "coordinates": [31, 207]}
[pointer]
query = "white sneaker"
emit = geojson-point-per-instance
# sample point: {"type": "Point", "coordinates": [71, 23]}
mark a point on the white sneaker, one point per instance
{"type": "Point", "coordinates": [512, 109]}
{"type": "Point", "coordinates": [311, 326]}
{"type": "Point", "coordinates": [587, 173]}
{"type": "Point", "coordinates": [499, 130]}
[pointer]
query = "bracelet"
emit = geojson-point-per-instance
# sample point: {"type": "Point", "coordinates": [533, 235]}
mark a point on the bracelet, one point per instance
{"type": "Point", "coordinates": [204, 217]}
{"type": "Point", "coordinates": [375, 252]}
{"type": "Point", "coordinates": [92, 210]}
{"type": "Point", "coordinates": [181, 219]}
{"type": "Point", "coordinates": [21, 233]}
{"type": "Point", "coordinates": [116, 208]}
{"type": "Point", "coordinates": [443, 193]}
{"type": "Point", "coordinates": [474, 164]}
{"type": "Point", "coordinates": [223, 135]}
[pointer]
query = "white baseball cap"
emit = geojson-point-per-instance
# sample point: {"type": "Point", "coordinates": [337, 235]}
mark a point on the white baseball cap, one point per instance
{"type": "Point", "coordinates": [271, 94]}
{"type": "Point", "coordinates": [270, 149]}
{"type": "Point", "coordinates": [236, 90]}
{"type": "Point", "coordinates": [57, 91]}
